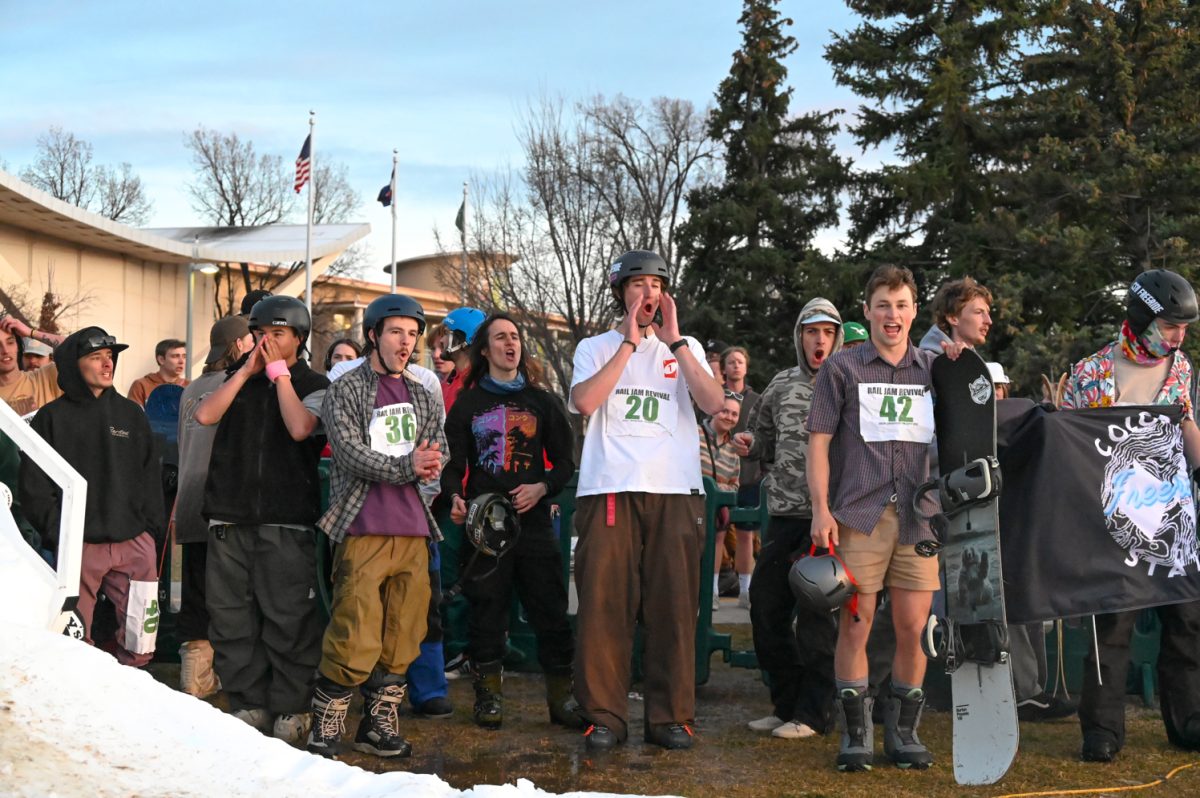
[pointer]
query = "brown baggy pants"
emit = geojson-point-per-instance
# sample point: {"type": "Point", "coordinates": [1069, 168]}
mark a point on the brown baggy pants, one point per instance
{"type": "Point", "coordinates": [647, 562]}
{"type": "Point", "coordinates": [380, 603]}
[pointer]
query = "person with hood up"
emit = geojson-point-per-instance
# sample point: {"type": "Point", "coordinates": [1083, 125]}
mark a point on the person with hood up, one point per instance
{"type": "Point", "coordinates": [107, 439]}
{"type": "Point", "coordinates": [799, 665]}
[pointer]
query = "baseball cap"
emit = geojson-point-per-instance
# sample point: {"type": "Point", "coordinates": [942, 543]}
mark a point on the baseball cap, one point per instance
{"type": "Point", "coordinates": [223, 334]}
{"type": "Point", "coordinates": [996, 371]}
{"type": "Point", "coordinates": [820, 318]}
{"type": "Point", "coordinates": [853, 332]}
{"type": "Point", "coordinates": [34, 347]}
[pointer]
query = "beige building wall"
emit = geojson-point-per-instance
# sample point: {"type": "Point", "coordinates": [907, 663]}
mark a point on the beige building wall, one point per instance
{"type": "Point", "coordinates": [140, 302]}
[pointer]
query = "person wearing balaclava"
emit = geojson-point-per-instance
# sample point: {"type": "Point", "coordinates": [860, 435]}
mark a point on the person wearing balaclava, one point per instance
{"type": "Point", "coordinates": [1143, 367]}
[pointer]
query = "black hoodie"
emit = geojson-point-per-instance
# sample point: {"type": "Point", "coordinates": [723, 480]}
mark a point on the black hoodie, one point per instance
{"type": "Point", "coordinates": [107, 439]}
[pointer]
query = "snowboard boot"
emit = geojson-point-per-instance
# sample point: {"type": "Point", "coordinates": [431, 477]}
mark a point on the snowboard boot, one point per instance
{"type": "Point", "coordinates": [901, 715]}
{"type": "Point", "coordinates": [379, 730]}
{"type": "Point", "coordinates": [196, 675]}
{"type": "Point", "coordinates": [560, 698]}
{"type": "Point", "coordinates": [330, 704]}
{"type": "Point", "coordinates": [489, 698]}
{"type": "Point", "coordinates": [857, 750]}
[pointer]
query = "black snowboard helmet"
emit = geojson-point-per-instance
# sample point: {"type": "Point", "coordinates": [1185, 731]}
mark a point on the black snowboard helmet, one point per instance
{"type": "Point", "coordinates": [821, 582]}
{"type": "Point", "coordinates": [1160, 294]}
{"type": "Point", "coordinates": [635, 263]}
{"type": "Point", "coordinates": [492, 524]}
{"type": "Point", "coordinates": [281, 311]}
{"type": "Point", "coordinates": [390, 305]}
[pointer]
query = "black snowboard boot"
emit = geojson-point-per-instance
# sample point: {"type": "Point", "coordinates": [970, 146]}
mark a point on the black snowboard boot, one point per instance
{"type": "Point", "coordinates": [379, 731]}
{"type": "Point", "coordinates": [489, 697]}
{"type": "Point", "coordinates": [901, 715]}
{"type": "Point", "coordinates": [857, 752]}
{"type": "Point", "coordinates": [330, 703]}
{"type": "Point", "coordinates": [560, 697]}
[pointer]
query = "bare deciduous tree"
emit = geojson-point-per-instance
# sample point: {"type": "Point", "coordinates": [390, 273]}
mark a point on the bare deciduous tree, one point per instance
{"type": "Point", "coordinates": [237, 186]}
{"type": "Point", "coordinates": [63, 168]}
{"type": "Point", "coordinates": [607, 177]}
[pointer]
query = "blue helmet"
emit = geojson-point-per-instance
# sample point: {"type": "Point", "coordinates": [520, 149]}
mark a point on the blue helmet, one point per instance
{"type": "Point", "coordinates": [462, 324]}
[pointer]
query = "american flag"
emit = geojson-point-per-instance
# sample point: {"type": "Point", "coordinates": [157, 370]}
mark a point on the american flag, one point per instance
{"type": "Point", "coordinates": [304, 163]}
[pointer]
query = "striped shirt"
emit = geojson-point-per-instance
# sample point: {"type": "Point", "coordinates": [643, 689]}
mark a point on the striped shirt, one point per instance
{"type": "Point", "coordinates": [865, 477]}
{"type": "Point", "coordinates": [718, 461]}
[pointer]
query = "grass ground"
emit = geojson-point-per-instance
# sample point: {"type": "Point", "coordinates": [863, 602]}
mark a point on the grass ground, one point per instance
{"type": "Point", "coordinates": [730, 760]}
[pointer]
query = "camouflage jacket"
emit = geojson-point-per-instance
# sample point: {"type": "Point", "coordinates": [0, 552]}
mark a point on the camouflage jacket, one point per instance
{"type": "Point", "coordinates": [781, 441]}
{"type": "Point", "coordinates": [778, 425]}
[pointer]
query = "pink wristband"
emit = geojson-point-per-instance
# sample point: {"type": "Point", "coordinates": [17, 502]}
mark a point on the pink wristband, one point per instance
{"type": "Point", "coordinates": [277, 369]}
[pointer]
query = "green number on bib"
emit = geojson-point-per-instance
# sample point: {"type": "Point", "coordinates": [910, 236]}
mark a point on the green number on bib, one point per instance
{"type": "Point", "coordinates": [650, 408]}
{"type": "Point", "coordinates": [906, 401]}
{"type": "Point", "coordinates": [150, 625]}
{"type": "Point", "coordinates": [887, 409]}
{"type": "Point", "coordinates": [408, 427]}
{"type": "Point", "coordinates": [635, 404]}
{"type": "Point", "coordinates": [393, 429]}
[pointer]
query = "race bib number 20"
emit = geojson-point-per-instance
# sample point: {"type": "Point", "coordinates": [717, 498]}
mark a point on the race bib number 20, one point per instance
{"type": "Point", "coordinates": [889, 412]}
{"type": "Point", "coordinates": [641, 412]}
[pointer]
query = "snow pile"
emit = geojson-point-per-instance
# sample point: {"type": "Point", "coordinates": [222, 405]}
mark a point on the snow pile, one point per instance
{"type": "Point", "coordinates": [75, 723]}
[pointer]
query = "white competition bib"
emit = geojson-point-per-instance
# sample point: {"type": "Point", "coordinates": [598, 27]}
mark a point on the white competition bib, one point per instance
{"type": "Point", "coordinates": [393, 429]}
{"type": "Point", "coordinates": [888, 412]}
{"type": "Point", "coordinates": [641, 412]}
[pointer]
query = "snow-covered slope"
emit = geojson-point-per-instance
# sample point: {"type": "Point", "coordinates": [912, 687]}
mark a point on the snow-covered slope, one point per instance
{"type": "Point", "coordinates": [75, 723]}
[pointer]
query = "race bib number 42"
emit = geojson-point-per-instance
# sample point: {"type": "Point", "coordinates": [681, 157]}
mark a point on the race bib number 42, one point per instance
{"type": "Point", "coordinates": [889, 412]}
{"type": "Point", "coordinates": [641, 412]}
{"type": "Point", "coordinates": [394, 429]}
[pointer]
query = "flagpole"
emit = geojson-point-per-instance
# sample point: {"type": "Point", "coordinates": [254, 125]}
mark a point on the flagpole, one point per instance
{"type": "Point", "coordinates": [464, 244]}
{"type": "Point", "coordinates": [309, 217]}
{"type": "Point", "coordinates": [395, 160]}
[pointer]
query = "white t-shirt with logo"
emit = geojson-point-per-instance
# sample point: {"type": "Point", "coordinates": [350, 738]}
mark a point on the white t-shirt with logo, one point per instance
{"type": "Point", "coordinates": [643, 437]}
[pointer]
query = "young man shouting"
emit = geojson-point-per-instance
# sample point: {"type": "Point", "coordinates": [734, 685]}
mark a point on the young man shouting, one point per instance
{"type": "Point", "coordinates": [865, 462]}
{"type": "Point", "coordinates": [640, 513]}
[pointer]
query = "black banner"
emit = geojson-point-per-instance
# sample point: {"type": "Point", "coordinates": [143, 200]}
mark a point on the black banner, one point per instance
{"type": "Point", "coordinates": [1096, 512]}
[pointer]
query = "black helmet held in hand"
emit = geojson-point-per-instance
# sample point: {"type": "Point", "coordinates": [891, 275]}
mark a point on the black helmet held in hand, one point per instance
{"type": "Point", "coordinates": [1160, 294]}
{"type": "Point", "coordinates": [390, 305]}
{"type": "Point", "coordinates": [821, 582]}
{"type": "Point", "coordinates": [281, 311]}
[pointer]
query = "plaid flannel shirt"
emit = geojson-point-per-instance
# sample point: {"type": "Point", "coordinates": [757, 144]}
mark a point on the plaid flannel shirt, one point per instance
{"type": "Point", "coordinates": [346, 413]}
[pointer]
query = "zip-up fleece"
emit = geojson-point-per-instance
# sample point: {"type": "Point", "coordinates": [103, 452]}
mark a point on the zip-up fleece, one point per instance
{"type": "Point", "coordinates": [778, 423]}
{"type": "Point", "coordinates": [257, 473]}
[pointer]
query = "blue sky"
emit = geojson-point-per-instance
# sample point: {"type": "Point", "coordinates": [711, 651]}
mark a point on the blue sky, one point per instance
{"type": "Point", "coordinates": [444, 82]}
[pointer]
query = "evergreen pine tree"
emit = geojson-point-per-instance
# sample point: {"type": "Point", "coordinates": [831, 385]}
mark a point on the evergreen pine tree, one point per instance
{"type": "Point", "coordinates": [747, 245]}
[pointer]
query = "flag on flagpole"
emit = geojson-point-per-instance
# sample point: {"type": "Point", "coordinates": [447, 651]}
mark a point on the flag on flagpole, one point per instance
{"type": "Point", "coordinates": [304, 163]}
{"type": "Point", "coordinates": [385, 193]}
{"type": "Point", "coordinates": [459, 221]}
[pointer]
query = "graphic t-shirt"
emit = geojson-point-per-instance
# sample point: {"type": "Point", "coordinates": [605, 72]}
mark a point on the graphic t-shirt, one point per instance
{"type": "Point", "coordinates": [392, 509]}
{"type": "Point", "coordinates": [32, 390]}
{"type": "Point", "coordinates": [643, 437]}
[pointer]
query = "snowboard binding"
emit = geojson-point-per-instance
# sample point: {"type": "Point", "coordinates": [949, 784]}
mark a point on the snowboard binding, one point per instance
{"type": "Point", "coordinates": [951, 644]}
{"type": "Point", "coordinates": [976, 483]}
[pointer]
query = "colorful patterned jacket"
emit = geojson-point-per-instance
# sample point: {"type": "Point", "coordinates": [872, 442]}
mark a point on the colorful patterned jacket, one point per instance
{"type": "Point", "coordinates": [1092, 383]}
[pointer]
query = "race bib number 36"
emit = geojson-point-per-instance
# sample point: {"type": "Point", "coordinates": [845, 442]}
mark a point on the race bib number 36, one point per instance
{"type": "Point", "coordinates": [394, 429]}
{"type": "Point", "coordinates": [641, 412]}
{"type": "Point", "coordinates": [889, 412]}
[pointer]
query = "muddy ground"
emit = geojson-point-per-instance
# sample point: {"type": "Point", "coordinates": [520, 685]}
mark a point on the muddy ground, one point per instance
{"type": "Point", "coordinates": [730, 760]}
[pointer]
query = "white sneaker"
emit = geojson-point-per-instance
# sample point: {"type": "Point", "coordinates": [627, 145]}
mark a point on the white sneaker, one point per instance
{"type": "Point", "coordinates": [793, 731]}
{"type": "Point", "coordinates": [744, 601]}
{"type": "Point", "coordinates": [258, 717]}
{"type": "Point", "coordinates": [292, 728]}
{"type": "Point", "coordinates": [716, 602]}
{"type": "Point", "coordinates": [769, 723]}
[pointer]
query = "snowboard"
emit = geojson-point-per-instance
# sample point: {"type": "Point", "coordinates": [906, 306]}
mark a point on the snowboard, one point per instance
{"type": "Point", "coordinates": [971, 640]}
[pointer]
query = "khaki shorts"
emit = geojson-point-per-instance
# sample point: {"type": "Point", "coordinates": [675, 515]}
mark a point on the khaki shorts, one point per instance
{"type": "Point", "coordinates": [878, 558]}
